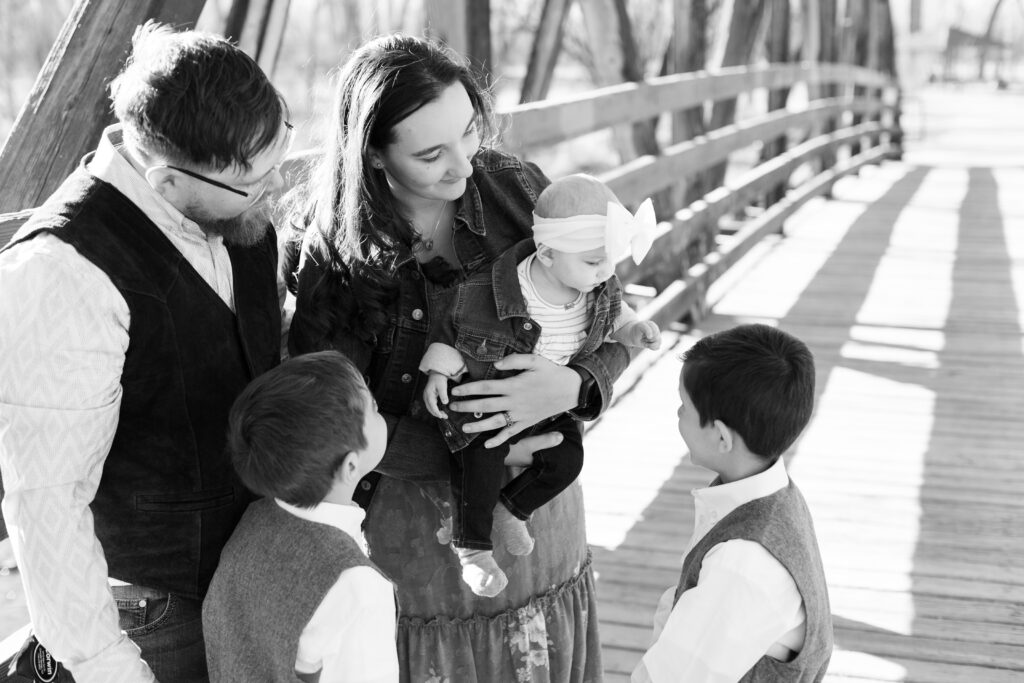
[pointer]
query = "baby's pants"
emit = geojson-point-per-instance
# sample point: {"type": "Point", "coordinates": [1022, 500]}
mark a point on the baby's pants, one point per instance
{"type": "Point", "coordinates": [477, 473]}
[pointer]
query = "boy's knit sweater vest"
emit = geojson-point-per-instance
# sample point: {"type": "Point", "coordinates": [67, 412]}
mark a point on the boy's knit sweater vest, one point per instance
{"type": "Point", "coordinates": [169, 497]}
{"type": "Point", "coordinates": [274, 573]}
{"type": "Point", "coordinates": [782, 524]}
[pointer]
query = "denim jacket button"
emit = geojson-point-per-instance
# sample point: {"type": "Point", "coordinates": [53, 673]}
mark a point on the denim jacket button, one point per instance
{"type": "Point", "coordinates": [527, 326]}
{"type": "Point", "coordinates": [482, 348]}
{"type": "Point", "coordinates": [406, 378]}
{"type": "Point", "coordinates": [417, 314]}
{"type": "Point", "coordinates": [364, 485]}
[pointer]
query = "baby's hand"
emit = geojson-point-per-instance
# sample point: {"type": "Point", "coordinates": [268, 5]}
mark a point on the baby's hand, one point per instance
{"type": "Point", "coordinates": [436, 389]}
{"type": "Point", "coordinates": [650, 335]}
{"type": "Point", "coordinates": [639, 333]}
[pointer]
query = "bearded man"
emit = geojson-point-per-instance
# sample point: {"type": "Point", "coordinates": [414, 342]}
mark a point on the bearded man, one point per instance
{"type": "Point", "coordinates": [135, 305]}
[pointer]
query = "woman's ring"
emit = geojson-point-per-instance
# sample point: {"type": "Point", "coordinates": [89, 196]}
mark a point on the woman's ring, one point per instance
{"type": "Point", "coordinates": [508, 418]}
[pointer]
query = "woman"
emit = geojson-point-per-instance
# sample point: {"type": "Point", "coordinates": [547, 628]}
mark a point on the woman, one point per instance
{"type": "Point", "coordinates": [403, 203]}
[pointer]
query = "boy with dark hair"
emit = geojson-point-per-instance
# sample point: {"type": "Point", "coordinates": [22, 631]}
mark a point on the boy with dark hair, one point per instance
{"type": "Point", "coordinates": [294, 593]}
{"type": "Point", "coordinates": [751, 603]}
{"type": "Point", "coordinates": [135, 305]}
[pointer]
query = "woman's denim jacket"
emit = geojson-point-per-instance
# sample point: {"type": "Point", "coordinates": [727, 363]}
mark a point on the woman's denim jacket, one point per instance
{"type": "Point", "coordinates": [485, 318]}
{"type": "Point", "coordinates": [494, 214]}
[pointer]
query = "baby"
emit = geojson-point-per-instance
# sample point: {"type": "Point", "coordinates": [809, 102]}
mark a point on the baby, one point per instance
{"type": "Point", "coordinates": [559, 298]}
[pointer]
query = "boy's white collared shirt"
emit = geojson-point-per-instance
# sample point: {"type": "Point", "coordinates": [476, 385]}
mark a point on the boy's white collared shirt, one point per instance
{"type": "Point", "coordinates": [745, 603]}
{"type": "Point", "coordinates": [351, 636]}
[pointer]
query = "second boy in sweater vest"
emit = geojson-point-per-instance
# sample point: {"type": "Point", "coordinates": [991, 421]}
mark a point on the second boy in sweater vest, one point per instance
{"type": "Point", "coordinates": [294, 596]}
{"type": "Point", "coordinates": [751, 604]}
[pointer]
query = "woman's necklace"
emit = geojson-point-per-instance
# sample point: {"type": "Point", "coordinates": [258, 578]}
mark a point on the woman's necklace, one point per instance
{"type": "Point", "coordinates": [428, 242]}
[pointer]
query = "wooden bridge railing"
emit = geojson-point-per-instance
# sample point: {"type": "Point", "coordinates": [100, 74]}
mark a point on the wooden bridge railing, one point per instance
{"type": "Point", "coordinates": [688, 254]}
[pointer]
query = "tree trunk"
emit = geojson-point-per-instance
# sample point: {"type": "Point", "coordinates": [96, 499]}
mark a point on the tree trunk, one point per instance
{"type": "Point", "coordinates": [687, 52]}
{"type": "Point", "coordinates": [478, 37]}
{"type": "Point", "coordinates": [547, 41]}
{"type": "Point", "coordinates": [745, 17]}
{"type": "Point", "coordinates": [828, 29]}
{"type": "Point", "coordinates": [608, 66]}
{"type": "Point", "coordinates": [465, 26]}
{"type": "Point", "coordinates": [777, 45]}
{"type": "Point", "coordinates": [983, 47]}
{"type": "Point", "coordinates": [258, 27]}
{"type": "Point", "coordinates": [887, 64]}
{"type": "Point", "coordinates": [854, 48]}
{"type": "Point", "coordinates": [68, 106]}
{"type": "Point", "coordinates": [446, 21]}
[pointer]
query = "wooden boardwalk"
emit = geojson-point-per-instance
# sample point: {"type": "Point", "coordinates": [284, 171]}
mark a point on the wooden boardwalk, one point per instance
{"type": "Point", "coordinates": [909, 287]}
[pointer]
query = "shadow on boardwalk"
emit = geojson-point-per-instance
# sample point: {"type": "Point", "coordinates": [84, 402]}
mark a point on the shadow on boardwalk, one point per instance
{"type": "Point", "coordinates": [910, 465]}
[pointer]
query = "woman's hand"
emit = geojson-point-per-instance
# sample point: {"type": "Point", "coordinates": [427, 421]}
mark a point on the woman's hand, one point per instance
{"type": "Point", "coordinates": [520, 454]}
{"type": "Point", "coordinates": [541, 390]}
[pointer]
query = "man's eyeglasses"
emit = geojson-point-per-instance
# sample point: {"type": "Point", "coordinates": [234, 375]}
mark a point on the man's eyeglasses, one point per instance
{"type": "Point", "coordinates": [258, 185]}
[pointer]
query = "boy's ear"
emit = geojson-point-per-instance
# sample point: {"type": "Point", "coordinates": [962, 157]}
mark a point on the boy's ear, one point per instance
{"type": "Point", "coordinates": [348, 473]}
{"type": "Point", "coordinates": [725, 437]}
{"type": "Point", "coordinates": [544, 254]}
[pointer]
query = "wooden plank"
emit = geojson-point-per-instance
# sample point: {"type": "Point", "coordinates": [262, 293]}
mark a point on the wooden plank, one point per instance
{"type": "Point", "coordinates": [637, 179]}
{"type": "Point", "coordinates": [542, 123]}
{"type": "Point", "coordinates": [683, 296]}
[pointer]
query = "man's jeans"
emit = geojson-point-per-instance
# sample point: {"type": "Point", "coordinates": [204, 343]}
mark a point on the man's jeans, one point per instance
{"type": "Point", "coordinates": [169, 631]}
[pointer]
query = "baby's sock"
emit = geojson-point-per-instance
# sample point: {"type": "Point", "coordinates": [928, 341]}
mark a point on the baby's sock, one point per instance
{"type": "Point", "coordinates": [512, 531]}
{"type": "Point", "coordinates": [444, 532]}
{"type": "Point", "coordinates": [481, 573]}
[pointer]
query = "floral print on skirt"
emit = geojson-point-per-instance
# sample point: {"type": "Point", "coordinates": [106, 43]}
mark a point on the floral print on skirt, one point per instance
{"type": "Point", "coordinates": [542, 628]}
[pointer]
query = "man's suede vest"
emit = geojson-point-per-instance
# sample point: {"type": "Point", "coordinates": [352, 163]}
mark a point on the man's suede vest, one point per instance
{"type": "Point", "coordinates": [782, 524]}
{"type": "Point", "coordinates": [169, 497]}
{"type": "Point", "coordinates": [275, 572]}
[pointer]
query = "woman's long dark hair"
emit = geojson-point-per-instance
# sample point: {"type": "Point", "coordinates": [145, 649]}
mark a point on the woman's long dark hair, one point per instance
{"type": "Point", "coordinates": [349, 205]}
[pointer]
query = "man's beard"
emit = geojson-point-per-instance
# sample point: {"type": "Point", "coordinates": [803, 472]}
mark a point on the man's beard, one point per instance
{"type": "Point", "coordinates": [244, 230]}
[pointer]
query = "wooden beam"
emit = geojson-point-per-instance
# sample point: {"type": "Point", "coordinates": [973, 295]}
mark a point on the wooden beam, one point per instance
{"type": "Point", "coordinates": [68, 106]}
{"type": "Point", "coordinates": [543, 123]}
{"type": "Point", "coordinates": [547, 42]}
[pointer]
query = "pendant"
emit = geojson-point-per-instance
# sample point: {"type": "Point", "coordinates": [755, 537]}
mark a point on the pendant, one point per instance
{"type": "Point", "coordinates": [428, 245]}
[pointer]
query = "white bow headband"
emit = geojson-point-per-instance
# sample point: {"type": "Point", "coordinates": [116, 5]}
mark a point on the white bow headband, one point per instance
{"type": "Point", "coordinates": [615, 232]}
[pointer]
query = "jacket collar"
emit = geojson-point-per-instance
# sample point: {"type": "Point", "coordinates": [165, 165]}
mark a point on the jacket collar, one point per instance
{"type": "Point", "coordinates": [508, 296]}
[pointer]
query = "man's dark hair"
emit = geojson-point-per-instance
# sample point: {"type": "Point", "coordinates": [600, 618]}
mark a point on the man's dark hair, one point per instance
{"type": "Point", "coordinates": [291, 428]}
{"type": "Point", "coordinates": [756, 379]}
{"type": "Point", "coordinates": [195, 97]}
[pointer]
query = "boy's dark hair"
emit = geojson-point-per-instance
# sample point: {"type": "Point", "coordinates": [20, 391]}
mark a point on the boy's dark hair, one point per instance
{"type": "Point", "coordinates": [756, 379]}
{"type": "Point", "coordinates": [195, 98]}
{"type": "Point", "coordinates": [291, 428]}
